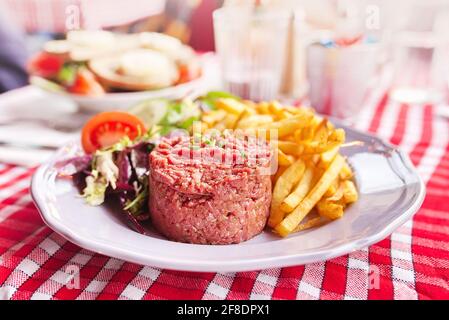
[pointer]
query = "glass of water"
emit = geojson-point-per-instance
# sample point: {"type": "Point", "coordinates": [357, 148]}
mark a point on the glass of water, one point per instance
{"type": "Point", "coordinates": [420, 51]}
{"type": "Point", "coordinates": [251, 43]}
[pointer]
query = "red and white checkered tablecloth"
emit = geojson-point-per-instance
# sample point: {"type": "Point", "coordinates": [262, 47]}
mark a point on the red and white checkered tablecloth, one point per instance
{"type": "Point", "coordinates": [413, 262]}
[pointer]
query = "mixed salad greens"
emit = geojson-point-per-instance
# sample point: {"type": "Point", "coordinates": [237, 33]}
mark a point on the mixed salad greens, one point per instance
{"type": "Point", "coordinates": [122, 169]}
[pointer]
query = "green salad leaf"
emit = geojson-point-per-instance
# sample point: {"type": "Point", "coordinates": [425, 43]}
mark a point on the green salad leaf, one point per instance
{"type": "Point", "coordinates": [180, 115]}
{"type": "Point", "coordinates": [67, 75]}
{"type": "Point", "coordinates": [104, 174]}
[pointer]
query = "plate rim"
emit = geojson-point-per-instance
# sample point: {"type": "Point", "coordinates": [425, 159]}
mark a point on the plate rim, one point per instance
{"type": "Point", "coordinates": [227, 266]}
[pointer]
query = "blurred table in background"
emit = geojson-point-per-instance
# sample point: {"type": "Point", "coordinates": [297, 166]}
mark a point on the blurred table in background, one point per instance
{"type": "Point", "coordinates": [33, 125]}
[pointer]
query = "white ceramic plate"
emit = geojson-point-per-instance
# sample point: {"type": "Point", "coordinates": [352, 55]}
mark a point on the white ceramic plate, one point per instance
{"type": "Point", "coordinates": [390, 193]}
{"type": "Point", "coordinates": [123, 100]}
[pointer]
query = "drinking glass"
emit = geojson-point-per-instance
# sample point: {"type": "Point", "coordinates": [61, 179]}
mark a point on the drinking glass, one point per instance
{"type": "Point", "coordinates": [340, 77]}
{"type": "Point", "coordinates": [251, 45]}
{"type": "Point", "coordinates": [420, 53]}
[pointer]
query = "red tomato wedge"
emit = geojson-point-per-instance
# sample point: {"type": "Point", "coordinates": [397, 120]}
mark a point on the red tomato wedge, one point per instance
{"type": "Point", "coordinates": [188, 73]}
{"type": "Point", "coordinates": [107, 128]}
{"type": "Point", "coordinates": [345, 42]}
{"type": "Point", "coordinates": [45, 65]}
{"type": "Point", "coordinates": [86, 84]}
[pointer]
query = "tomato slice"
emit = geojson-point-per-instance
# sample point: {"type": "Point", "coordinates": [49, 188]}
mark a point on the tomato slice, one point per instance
{"type": "Point", "coordinates": [45, 65]}
{"type": "Point", "coordinates": [188, 73]}
{"type": "Point", "coordinates": [107, 128]}
{"type": "Point", "coordinates": [344, 42]}
{"type": "Point", "coordinates": [86, 84]}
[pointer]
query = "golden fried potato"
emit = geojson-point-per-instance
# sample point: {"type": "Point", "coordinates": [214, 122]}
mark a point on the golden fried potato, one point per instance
{"type": "Point", "coordinates": [285, 160]}
{"type": "Point", "coordinates": [327, 157]}
{"type": "Point", "coordinates": [299, 193]}
{"type": "Point", "coordinates": [294, 219]}
{"type": "Point", "coordinates": [230, 121]}
{"type": "Point", "coordinates": [346, 173]}
{"type": "Point", "coordinates": [254, 121]}
{"type": "Point", "coordinates": [315, 147]}
{"type": "Point", "coordinates": [282, 189]}
{"type": "Point", "coordinates": [214, 116]}
{"type": "Point", "coordinates": [279, 172]}
{"type": "Point", "coordinates": [350, 194]}
{"type": "Point", "coordinates": [332, 189]}
{"type": "Point", "coordinates": [330, 210]}
{"type": "Point", "coordinates": [290, 147]}
{"type": "Point", "coordinates": [262, 108]}
{"type": "Point", "coordinates": [311, 223]}
{"type": "Point", "coordinates": [277, 110]}
{"type": "Point", "coordinates": [321, 132]}
{"type": "Point", "coordinates": [230, 105]}
{"type": "Point", "coordinates": [338, 194]}
{"type": "Point", "coordinates": [293, 109]}
{"type": "Point", "coordinates": [337, 136]}
{"type": "Point", "coordinates": [288, 126]}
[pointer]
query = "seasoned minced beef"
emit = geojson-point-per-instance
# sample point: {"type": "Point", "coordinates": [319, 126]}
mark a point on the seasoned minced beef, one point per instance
{"type": "Point", "coordinates": [210, 190]}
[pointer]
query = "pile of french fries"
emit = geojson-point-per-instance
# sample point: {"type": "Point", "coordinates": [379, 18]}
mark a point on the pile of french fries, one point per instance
{"type": "Point", "coordinates": [313, 183]}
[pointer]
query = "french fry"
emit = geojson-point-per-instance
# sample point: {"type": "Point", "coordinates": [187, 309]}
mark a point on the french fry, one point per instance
{"type": "Point", "coordinates": [262, 108]}
{"type": "Point", "coordinates": [330, 210]}
{"type": "Point", "coordinates": [305, 134]}
{"type": "Point", "coordinates": [285, 160]}
{"type": "Point", "coordinates": [311, 223]}
{"type": "Point", "coordinates": [346, 173]}
{"type": "Point", "coordinates": [230, 121]}
{"type": "Point", "coordinates": [327, 157]}
{"type": "Point", "coordinates": [248, 112]}
{"type": "Point", "coordinates": [332, 189]}
{"type": "Point", "coordinates": [282, 189]}
{"type": "Point", "coordinates": [230, 105]}
{"type": "Point", "coordinates": [300, 191]}
{"type": "Point", "coordinates": [315, 147]}
{"type": "Point", "coordinates": [277, 109]}
{"type": "Point", "coordinates": [289, 223]}
{"type": "Point", "coordinates": [289, 125]}
{"type": "Point", "coordinates": [350, 194]}
{"type": "Point", "coordinates": [254, 121]}
{"type": "Point", "coordinates": [291, 148]}
{"type": "Point", "coordinates": [321, 132]}
{"type": "Point", "coordinates": [279, 172]}
{"type": "Point", "coordinates": [289, 138]}
{"type": "Point", "coordinates": [337, 136]}
{"type": "Point", "coordinates": [214, 116]}
{"type": "Point", "coordinates": [293, 110]}
{"type": "Point", "coordinates": [338, 194]}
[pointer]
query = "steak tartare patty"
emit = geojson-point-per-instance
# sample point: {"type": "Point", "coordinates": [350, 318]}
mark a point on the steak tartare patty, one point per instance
{"type": "Point", "coordinates": [210, 190]}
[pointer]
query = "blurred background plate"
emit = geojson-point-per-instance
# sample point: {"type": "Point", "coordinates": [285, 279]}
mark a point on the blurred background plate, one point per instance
{"type": "Point", "coordinates": [125, 100]}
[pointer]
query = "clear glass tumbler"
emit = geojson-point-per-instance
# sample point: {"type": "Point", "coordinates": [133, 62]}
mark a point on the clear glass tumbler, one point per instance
{"type": "Point", "coordinates": [420, 47]}
{"type": "Point", "coordinates": [340, 77]}
{"type": "Point", "coordinates": [251, 44]}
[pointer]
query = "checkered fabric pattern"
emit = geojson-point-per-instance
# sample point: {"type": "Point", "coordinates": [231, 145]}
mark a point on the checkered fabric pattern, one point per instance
{"type": "Point", "coordinates": [413, 263]}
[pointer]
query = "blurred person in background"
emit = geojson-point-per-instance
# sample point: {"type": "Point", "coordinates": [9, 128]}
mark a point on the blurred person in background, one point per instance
{"type": "Point", "coordinates": [13, 54]}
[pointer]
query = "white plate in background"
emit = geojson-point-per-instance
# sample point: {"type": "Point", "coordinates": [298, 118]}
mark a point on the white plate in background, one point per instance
{"type": "Point", "coordinates": [125, 100]}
